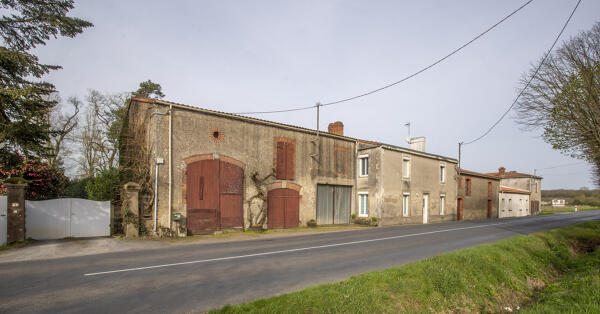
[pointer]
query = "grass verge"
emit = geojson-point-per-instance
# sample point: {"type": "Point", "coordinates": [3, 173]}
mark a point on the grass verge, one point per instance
{"type": "Point", "coordinates": [487, 278]}
{"type": "Point", "coordinates": [549, 211]}
{"type": "Point", "coordinates": [15, 245]}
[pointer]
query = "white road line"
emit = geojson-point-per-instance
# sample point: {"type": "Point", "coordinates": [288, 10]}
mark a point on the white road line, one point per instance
{"type": "Point", "coordinates": [287, 251]}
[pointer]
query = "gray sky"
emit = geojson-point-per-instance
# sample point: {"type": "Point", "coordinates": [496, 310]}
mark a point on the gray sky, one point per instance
{"type": "Point", "coordinates": [238, 56]}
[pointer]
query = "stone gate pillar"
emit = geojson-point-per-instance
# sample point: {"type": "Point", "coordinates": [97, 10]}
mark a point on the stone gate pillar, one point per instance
{"type": "Point", "coordinates": [15, 212]}
{"type": "Point", "coordinates": [131, 203]}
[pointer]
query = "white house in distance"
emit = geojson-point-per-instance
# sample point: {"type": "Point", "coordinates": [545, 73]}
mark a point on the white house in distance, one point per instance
{"type": "Point", "coordinates": [513, 202]}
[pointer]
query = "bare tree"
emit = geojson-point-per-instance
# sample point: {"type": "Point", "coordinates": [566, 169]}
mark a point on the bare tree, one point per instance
{"type": "Point", "coordinates": [87, 137]}
{"type": "Point", "coordinates": [563, 99]}
{"type": "Point", "coordinates": [62, 126]}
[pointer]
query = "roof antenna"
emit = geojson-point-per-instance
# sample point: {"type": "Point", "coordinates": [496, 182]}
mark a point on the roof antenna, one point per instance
{"type": "Point", "coordinates": [408, 138]}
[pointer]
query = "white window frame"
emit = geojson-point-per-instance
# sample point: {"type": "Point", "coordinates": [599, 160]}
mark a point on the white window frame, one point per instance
{"type": "Point", "coordinates": [360, 165]}
{"type": "Point", "coordinates": [360, 204]}
{"type": "Point", "coordinates": [442, 204]}
{"type": "Point", "coordinates": [406, 170]}
{"type": "Point", "coordinates": [442, 173]}
{"type": "Point", "coordinates": [405, 204]}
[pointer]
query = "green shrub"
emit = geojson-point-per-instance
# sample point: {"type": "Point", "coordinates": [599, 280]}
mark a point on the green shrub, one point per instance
{"type": "Point", "coordinates": [103, 187]}
{"type": "Point", "coordinates": [76, 188]}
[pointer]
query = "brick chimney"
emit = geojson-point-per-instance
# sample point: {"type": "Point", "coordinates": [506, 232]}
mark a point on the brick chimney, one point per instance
{"type": "Point", "coordinates": [501, 170]}
{"type": "Point", "coordinates": [336, 128]}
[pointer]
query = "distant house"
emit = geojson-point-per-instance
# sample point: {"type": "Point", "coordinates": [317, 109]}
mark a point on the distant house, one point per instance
{"type": "Point", "coordinates": [477, 195]}
{"type": "Point", "coordinates": [398, 185]}
{"type": "Point", "coordinates": [522, 181]}
{"type": "Point", "coordinates": [558, 203]}
{"type": "Point", "coordinates": [514, 202]}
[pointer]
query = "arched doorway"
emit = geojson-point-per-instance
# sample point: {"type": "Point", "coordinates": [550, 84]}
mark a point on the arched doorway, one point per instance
{"type": "Point", "coordinates": [214, 195]}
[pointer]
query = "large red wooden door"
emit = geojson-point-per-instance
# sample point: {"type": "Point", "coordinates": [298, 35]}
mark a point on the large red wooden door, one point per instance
{"type": "Point", "coordinates": [459, 209]}
{"type": "Point", "coordinates": [489, 209]}
{"type": "Point", "coordinates": [283, 208]}
{"type": "Point", "coordinates": [214, 196]}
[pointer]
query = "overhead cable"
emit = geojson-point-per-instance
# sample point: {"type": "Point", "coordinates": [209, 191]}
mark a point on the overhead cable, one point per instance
{"type": "Point", "coordinates": [405, 78]}
{"type": "Point", "coordinates": [529, 81]}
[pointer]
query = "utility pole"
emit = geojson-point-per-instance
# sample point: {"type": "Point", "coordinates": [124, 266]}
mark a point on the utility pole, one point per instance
{"type": "Point", "coordinates": [459, 148]}
{"type": "Point", "coordinates": [317, 141]}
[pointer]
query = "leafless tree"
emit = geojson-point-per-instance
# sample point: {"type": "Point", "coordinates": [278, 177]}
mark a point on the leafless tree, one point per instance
{"type": "Point", "coordinates": [563, 99]}
{"type": "Point", "coordinates": [62, 127]}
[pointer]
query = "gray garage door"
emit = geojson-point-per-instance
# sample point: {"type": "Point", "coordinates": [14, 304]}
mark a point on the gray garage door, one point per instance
{"type": "Point", "coordinates": [334, 203]}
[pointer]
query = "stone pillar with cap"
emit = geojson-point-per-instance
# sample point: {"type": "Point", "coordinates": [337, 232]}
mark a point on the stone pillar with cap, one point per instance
{"type": "Point", "coordinates": [15, 198]}
{"type": "Point", "coordinates": [131, 215]}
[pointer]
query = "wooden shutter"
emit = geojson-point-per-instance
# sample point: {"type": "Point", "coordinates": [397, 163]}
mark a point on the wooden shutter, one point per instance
{"type": "Point", "coordinates": [280, 169]}
{"type": "Point", "coordinates": [489, 189]}
{"type": "Point", "coordinates": [290, 160]}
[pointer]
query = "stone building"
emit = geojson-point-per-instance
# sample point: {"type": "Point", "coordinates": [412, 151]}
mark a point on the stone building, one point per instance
{"type": "Point", "coordinates": [522, 181]}
{"type": "Point", "coordinates": [405, 186]}
{"type": "Point", "coordinates": [477, 195]}
{"type": "Point", "coordinates": [514, 202]}
{"type": "Point", "coordinates": [215, 171]}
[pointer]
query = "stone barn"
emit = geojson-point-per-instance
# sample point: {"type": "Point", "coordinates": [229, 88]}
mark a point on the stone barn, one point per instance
{"type": "Point", "coordinates": [201, 171]}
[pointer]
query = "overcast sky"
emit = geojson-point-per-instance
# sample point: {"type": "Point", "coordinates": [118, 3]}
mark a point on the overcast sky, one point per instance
{"type": "Point", "coordinates": [237, 56]}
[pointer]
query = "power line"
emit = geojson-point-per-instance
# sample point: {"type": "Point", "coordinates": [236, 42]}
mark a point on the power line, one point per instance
{"type": "Point", "coordinates": [561, 166]}
{"type": "Point", "coordinates": [530, 79]}
{"type": "Point", "coordinates": [407, 77]}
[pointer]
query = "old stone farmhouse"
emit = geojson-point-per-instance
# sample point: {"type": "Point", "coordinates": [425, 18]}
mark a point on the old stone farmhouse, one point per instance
{"type": "Point", "coordinates": [200, 171]}
{"type": "Point", "coordinates": [525, 182]}
{"type": "Point", "coordinates": [405, 186]}
{"type": "Point", "coordinates": [477, 195]}
{"type": "Point", "coordinates": [215, 171]}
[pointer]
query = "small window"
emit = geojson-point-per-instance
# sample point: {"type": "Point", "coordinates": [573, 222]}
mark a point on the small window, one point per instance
{"type": "Point", "coordinates": [442, 173]}
{"type": "Point", "coordinates": [489, 188]}
{"type": "Point", "coordinates": [364, 165]}
{"type": "Point", "coordinates": [406, 167]}
{"type": "Point", "coordinates": [468, 183]}
{"type": "Point", "coordinates": [363, 204]}
{"type": "Point", "coordinates": [442, 204]}
{"type": "Point", "coordinates": [340, 160]}
{"type": "Point", "coordinates": [405, 204]}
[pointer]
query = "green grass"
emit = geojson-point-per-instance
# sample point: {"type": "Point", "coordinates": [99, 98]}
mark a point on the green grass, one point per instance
{"type": "Point", "coordinates": [549, 211]}
{"type": "Point", "coordinates": [486, 278]}
{"type": "Point", "coordinates": [15, 245]}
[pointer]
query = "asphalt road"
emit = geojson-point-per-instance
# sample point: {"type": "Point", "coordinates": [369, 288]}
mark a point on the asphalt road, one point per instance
{"type": "Point", "coordinates": [199, 277]}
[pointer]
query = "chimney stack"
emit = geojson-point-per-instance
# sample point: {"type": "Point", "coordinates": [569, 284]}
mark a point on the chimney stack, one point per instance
{"type": "Point", "coordinates": [501, 170]}
{"type": "Point", "coordinates": [418, 143]}
{"type": "Point", "coordinates": [336, 128]}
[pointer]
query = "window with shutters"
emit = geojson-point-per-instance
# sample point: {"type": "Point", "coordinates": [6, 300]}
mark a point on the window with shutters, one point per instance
{"type": "Point", "coordinates": [489, 188]}
{"type": "Point", "coordinates": [468, 183]}
{"type": "Point", "coordinates": [285, 158]}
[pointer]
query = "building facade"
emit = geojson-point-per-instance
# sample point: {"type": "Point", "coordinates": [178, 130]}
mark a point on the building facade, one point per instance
{"type": "Point", "coordinates": [397, 185]}
{"type": "Point", "coordinates": [514, 202]}
{"type": "Point", "coordinates": [215, 171]}
{"type": "Point", "coordinates": [477, 195]}
{"type": "Point", "coordinates": [523, 181]}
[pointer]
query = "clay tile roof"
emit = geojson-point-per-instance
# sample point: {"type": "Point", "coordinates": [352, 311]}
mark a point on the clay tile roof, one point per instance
{"type": "Point", "coordinates": [513, 190]}
{"type": "Point", "coordinates": [478, 174]}
{"type": "Point", "coordinates": [512, 174]}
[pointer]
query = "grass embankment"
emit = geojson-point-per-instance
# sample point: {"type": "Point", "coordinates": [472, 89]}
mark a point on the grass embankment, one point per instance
{"type": "Point", "coordinates": [549, 211]}
{"type": "Point", "coordinates": [15, 245]}
{"type": "Point", "coordinates": [547, 272]}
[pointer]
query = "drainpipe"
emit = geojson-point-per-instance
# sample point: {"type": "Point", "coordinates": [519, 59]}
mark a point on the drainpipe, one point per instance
{"type": "Point", "coordinates": [159, 161]}
{"type": "Point", "coordinates": [170, 164]}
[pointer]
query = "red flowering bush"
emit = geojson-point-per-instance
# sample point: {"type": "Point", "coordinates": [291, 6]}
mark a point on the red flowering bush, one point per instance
{"type": "Point", "coordinates": [44, 182]}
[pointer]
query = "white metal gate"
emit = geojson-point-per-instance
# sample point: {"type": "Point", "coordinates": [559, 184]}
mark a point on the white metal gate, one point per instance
{"type": "Point", "coordinates": [3, 219]}
{"type": "Point", "coordinates": [67, 217]}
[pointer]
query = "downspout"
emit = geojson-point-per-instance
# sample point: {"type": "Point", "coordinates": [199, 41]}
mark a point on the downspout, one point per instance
{"type": "Point", "coordinates": [170, 165]}
{"type": "Point", "coordinates": [156, 196]}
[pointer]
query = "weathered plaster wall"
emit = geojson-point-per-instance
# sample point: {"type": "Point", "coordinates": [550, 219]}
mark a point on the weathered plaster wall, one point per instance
{"type": "Point", "coordinates": [387, 185]}
{"type": "Point", "coordinates": [525, 184]}
{"type": "Point", "coordinates": [248, 142]}
{"type": "Point", "coordinates": [475, 205]}
{"type": "Point", "coordinates": [513, 205]}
